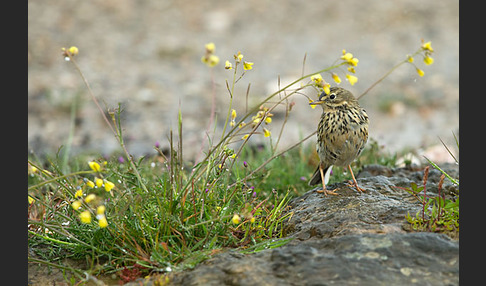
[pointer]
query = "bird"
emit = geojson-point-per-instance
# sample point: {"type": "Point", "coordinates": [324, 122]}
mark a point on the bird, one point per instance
{"type": "Point", "coordinates": [342, 133]}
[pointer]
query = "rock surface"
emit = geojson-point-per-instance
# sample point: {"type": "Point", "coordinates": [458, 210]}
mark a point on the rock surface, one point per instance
{"type": "Point", "coordinates": [358, 259]}
{"type": "Point", "coordinates": [350, 239]}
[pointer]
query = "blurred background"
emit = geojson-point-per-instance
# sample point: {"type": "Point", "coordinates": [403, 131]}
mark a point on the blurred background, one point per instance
{"type": "Point", "coordinates": [146, 56]}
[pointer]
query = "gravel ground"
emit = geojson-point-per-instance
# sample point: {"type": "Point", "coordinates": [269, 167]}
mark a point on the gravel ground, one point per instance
{"type": "Point", "coordinates": [146, 56]}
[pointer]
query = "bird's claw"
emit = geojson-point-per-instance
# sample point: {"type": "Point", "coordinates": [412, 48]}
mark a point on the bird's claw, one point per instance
{"type": "Point", "coordinates": [328, 192]}
{"type": "Point", "coordinates": [352, 184]}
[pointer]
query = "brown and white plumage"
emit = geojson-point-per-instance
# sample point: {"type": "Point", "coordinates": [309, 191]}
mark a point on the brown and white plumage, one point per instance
{"type": "Point", "coordinates": [342, 133]}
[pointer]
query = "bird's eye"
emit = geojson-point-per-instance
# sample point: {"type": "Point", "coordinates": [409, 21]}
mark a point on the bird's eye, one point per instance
{"type": "Point", "coordinates": [332, 96]}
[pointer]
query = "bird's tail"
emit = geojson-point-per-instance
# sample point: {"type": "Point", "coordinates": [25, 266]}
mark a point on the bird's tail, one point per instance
{"type": "Point", "coordinates": [316, 178]}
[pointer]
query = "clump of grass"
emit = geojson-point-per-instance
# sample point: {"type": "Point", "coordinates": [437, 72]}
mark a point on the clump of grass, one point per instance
{"type": "Point", "coordinates": [132, 217]}
{"type": "Point", "coordinates": [438, 214]}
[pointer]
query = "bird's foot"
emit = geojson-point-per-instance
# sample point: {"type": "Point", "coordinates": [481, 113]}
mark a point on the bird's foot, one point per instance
{"type": "Point", "coordinates": [354, 184]}
{"type": "Point", "coordinates": [328, 192]}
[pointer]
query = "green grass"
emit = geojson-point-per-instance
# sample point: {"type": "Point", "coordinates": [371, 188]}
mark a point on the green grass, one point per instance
{"type": "Point", "coordinates": [438, 214]}
{"type": "Point", "coordinates": [164, 227]}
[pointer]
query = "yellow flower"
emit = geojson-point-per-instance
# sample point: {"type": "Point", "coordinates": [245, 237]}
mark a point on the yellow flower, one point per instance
{"type": "Point", "coordinates": [32, 169]}
{"type": "Point", "coordinates": [79, 193]}
{"type": "Point", "coordinates": [351, 70]}
{"type": "Point", "coordinates": [90, 198]}
{"type": "Point", "coordinates": [108, 185]}
{"type": "Point", "coordinates": [352, 79]}
{"type": "Point", "coordinates": [317, 78]}
{"type": "Point", "coordinates": [268, 120]}
{"type": "Point", "coordinates": [428, 60]}
{"type": "Point", "coordinates": [238, 57]}
{"type": "Point", "coordinates": [247, 66]}
{"type": "Point", "coordinates": [213, 60]}
{"type": "Point", "coordinates": [228, 65]}
{"type": "Point", "coordinates": [210, 47]}
{"type": "Point", "coordinates": [327, 88]}
{"type": "Point", "coordinates": [76, 205]}
{"type": "Point", "coordinates": [102, 222]}
{"type": "Point", "coordinates": [336, 78]}
{"type": "Point", "coordinates": [236, 219]}
{"type": "Point", "coordinates": [233, 114]}
{"type": "Point", "coordinates": [89, 183]}
{"type": "Point", "coordinates": [349, 58]}
{"type": "Point", "coordinates": [259, 116]}
{"type": "Point", "coordinates": [245, 136]}
{"type": "Point", "coordinates": [410, 59]}
{"type": "Point", "coordinates": [100, 209]}
{"type": "Point", "coordinates": [252, 220]}
{"type": "Point", "coordinates": [210, 60]}
{"type": "Point", "coordinates": [98, 182]}
{"type": "Point", "coordinates": [94, 166]}
{"type": "Point", "coordinates": [427, 47]}
{"type": "Point", "coordinates": [266, 132]}
{"type": "Point", "coordinates": [73, 50]}
{"type": "Point", "coordinates": [85, 217]}
{"type": "Point", "coordinates": [420, 72]}
{"type": "Point", "coordinates": [31, 200]}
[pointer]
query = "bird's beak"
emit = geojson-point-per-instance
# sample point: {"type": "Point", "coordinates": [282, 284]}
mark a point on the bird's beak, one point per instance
{"type": "Point", "coordinates": [318, 102]}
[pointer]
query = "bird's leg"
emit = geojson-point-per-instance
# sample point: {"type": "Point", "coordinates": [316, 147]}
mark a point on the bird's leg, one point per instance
{"type": "Point", "coordinates": [355, 183]}
{"type": "Point", "coordinates": [324, 190]}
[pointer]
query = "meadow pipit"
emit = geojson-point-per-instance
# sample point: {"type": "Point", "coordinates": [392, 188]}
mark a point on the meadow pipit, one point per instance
{"type": "Point", "coordinates": [341, 135]}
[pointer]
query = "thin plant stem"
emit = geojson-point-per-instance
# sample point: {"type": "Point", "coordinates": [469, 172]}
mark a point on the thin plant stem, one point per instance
{"type": "Point", "coordinates": [69, 141]}
{"type": "Point", "coordinates": [387, 74]}
{"type": "Point", "coordinates": [231, 92]}
{"type": "Point", "coordinates": [116, 133]}
{"type": "Point", "coordinates": [285, 118]}
{"type": "Point", "coordinates": [54, 179]}
{"type": "Point", "coordinates": [276, 155]}
{"type": "Point", "coordinates": [211, 115]}
{"type": "Point", "coordinates": [76, 272]}
{"type": "Point", "coordinates": [381, 79]}
{"type": "Point", "coordinates": [52, 239]}
{"type": "Point", "coordinates": [86, 83]}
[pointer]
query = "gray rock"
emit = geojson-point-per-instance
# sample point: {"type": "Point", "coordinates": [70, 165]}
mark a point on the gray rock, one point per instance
{"type": "Point", "coordinates": [364, 259]}
{"type": "Point", "coordinates": [350, 239]}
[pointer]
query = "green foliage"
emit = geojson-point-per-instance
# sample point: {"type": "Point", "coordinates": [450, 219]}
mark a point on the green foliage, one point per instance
{"type": "Point", "coordinates": [168, 226]}
{"type": "Point", "coordinates": [438, 214]}
{"type": "Point", "coordinates": [442, 215]}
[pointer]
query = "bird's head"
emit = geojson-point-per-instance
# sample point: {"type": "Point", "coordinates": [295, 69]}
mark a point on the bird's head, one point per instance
{"type": "Point", "coordinates": [337, 97]}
